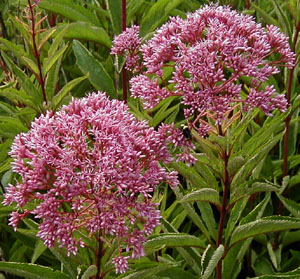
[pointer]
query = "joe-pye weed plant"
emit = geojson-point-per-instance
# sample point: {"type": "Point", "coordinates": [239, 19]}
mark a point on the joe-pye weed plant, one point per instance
{"type": "Point", "coordinates": [87, 172]}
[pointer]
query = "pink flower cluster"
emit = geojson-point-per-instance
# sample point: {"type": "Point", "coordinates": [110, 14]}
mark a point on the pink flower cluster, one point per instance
{"type": "Point", "coordinates": [92, 167]}
{"type": "Point", "coordinates": [210, 52]}
{"type": "Point", "coordinates": [127, 44]}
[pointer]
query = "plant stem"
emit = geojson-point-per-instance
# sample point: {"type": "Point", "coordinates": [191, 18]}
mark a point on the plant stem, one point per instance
{"type": "Point", "coordinates": [226, 182]}
{"type": "Point", "coordinates": [124, 72]}
{"type": "Point", "coordinates": [99, 257]}
{"type": "Point", "coordinates": [36, 52]}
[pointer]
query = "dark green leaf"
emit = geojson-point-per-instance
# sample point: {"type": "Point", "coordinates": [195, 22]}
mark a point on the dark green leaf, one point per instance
{"type": "Point", "coordinates": [98, 76]}
{"type": "Point", "coordinates": [115, 13]}
{"type": "Point", "coordinates": [204, 194]}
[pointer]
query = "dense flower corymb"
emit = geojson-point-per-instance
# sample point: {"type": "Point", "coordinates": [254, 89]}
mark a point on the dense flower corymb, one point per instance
{"type": "Point", "coordinates": [91, 166]}
{"type": "Point", "coordinates": [210, 54]}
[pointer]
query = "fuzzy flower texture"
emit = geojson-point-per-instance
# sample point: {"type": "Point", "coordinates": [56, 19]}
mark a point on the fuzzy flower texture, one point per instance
{"type": "Point", "coordinates": [209, 52]}
{"type": "Point", "coordinates": [91, 167]}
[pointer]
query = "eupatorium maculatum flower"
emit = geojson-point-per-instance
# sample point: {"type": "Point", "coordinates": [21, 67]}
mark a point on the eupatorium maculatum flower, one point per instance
{"type": "Point", "coordinates": [91, 166]}
{"type": "Point", "coordinates": [210, 54]}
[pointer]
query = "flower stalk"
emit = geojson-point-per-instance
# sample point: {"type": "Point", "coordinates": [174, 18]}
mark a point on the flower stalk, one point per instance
{"type": "Point", "coordinates": [124, 71]}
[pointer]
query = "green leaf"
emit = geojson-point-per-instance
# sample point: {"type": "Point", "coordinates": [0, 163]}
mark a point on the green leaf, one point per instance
{"type": "Point", "coordinates": [65, 90]}
{"type": "Point", "coordinates": [69, 10]}
{"type": "Point", "coordinates": [157, 15]}
{"type": "Point", "coordinates": [235, 216]}
{"type": "Point", "coordinates": [192, 214]}
{"type": "Point", "coordinates": [147, 272]}
{"type": "Point", "coordinates": [91, 271]}
{"type": "Point", "coordinates": [245, 171]}
{"type": "Point", "coordinates": [176, 273]}
{"type": "Point", "coordinates": [32, 271]}
{"type": "Point", "coordinates": [24, 81]}
{"type": "Point", "coordinates": [204, 194]}
{"type": "Point", "coordinates": [285, 23]}
{"type": "Point", "coordinates": [163, 112]}
{"type": "Point", "coordinates": [290, 205]}
{"type": "Point", "coordinates": [262, 226]}
{"type": "Point", "coordinates": [266, 16]}
{"type": "Point", "coordinates": [114, 8]}
{"type": "Point", "coordinates": [174, 240]}
{"type": "Point", "coordinates": [51, 60]}
{"type": "Point", "coordinates": [294, 274]}
{"type": "Point", "coordinates": [190, 174]}
{"type": "Point", "coordinates": [243, 190]}
{"type": "Point", "coordinates": [39, 249]}
{"type": "Point", "coordinates": [15, 49]}
{"type": "Point", "coordinates": [208, 217]}
{"type": "Point", "coordinates": [98, 76]}
{"type": "Point", "coordinates": [86, 31]}
{"type": "Point", "coordinates": [216, 257]}
{"type": "Point", "coordinates": [52, 79]}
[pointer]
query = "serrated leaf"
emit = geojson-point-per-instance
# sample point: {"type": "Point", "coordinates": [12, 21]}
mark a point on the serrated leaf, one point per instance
{"type": "Point", "coordinates": [45, 37]}
{"type": "Point", "coordinates": [294, 274]}
{"type": "Point", "coordinates": [174, 240]}
{"type": "Point", "coordinates": [70, 10]}
{"type": "Point", "coordinates": [216, 257]}
{"type": "Point", "coordinates": [163, 113]}
{"type": "Point", "coordinates": [32, 271]}
{"type": "Point", "coordinates": [235, 164]}
{"type": "Point", "coordinates": [98, 76]}
{"type": "Point", "coordinates": [204, 194]}
{"type": "Point", "coordinates": [208, 217]}
{"type": "Point", "coordinates": [262, 226]}
{"type": "Point", "coordinates": [157, 14]}
{"type": "Point", "coordinates": [114, 8]}
{"type": "Point", "coordinates": [87, 32]}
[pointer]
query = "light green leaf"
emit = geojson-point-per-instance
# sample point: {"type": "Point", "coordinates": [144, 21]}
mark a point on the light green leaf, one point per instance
{"type": "Point", "coordinates": [69, 10]}
{"type": "Point", "coordinates": [51, 60]}
{"type": "Point", "coordinates": [98, 76]}
{"type": "Point", "coordinates": [190, 174]}
{"type": "Point", "coordinates": [208, 217]}
{"type": "Point", "coordinates": [174, 240]}
{"type": "Point", "coordinates": [39, 249]}
{"type": "Point", "coordinates": [148, 272]}
{"type": "Point", "coordinates": [294, 274]}
{"type": "Point", "coordinates": [262, 226]}
{"type": "Point", "coordinates": [290, 205]}
{"type": "Point", "coordinates": [204, 194]}
{"type": "Point", "coordinates": [266, 16]}
{"type": "Point", "coordinates": [32, 271]}
{"type": "Point", "coordinates": [216, 257]}
{"type": "Point", "coordinates": [87, 32]}
{"type": "Point", "coordinates": [114, 8]}
{"type": "Point", "coordinates": [91, 271]}
{"type": "Point", "coordinates": [157, 15]}
{"type": "Point", "coordinates": [164, 112]}
{"type": "Point", "coordinates": [24, 81]}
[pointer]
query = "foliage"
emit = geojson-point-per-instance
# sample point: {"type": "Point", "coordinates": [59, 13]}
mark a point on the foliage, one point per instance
{"type": "Point", "coordinates": [235, 213]}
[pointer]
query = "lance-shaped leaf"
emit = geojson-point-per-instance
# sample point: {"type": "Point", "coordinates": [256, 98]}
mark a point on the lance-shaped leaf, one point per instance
{"type": "Point", "coordinates": [69, 10]}
{"type": "Point", "coordinates": [87, 32]}
{"type": "Point", "coordinates": [174, 240]}
{"type": "Point", "coordinates": [32, 271]}
{"type": "Point", "coordinates": [294, 274]}
{"type": "Point", "coordinates": [58, 98]}
{"type": "Point", "coordinates": [290, 205]}
{"type": "Point", "coordinates": [91, 271]}
{"type": "Point", "coordinates": [204, 194]}
{"type": "Point", "coordinates": [216, 257]}
{"type": "Point", "coordinates": [266, 16]}
{"type": "Point", "coordinates": [262, 226]}
{"type": "Point", "coordinates": [114, 8]}
{"type": "Point", "coordinates": [98, 76]}
{"type": "Point", "coordinates": [190, 174]}
{"type": "Point", "coordinates": [157, 14]}
{"type": "Point", "coordinates": [147, 272]}
{"type": "Point", "coordinates": [244, 190]}
{"type": "Point", "coordinates": [28, 86]}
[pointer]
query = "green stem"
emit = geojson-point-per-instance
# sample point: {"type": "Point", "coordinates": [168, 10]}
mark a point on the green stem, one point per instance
{"type": "Point", "coordinates": [226, 182]}
{"type": "Point", "coordinates": [99, 257]}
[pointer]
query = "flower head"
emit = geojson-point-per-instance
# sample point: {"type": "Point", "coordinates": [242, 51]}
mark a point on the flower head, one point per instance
{"type": "Point", "coordinates": [210, 52]}
{"type": "Point", "coordinates": [91, 166]}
